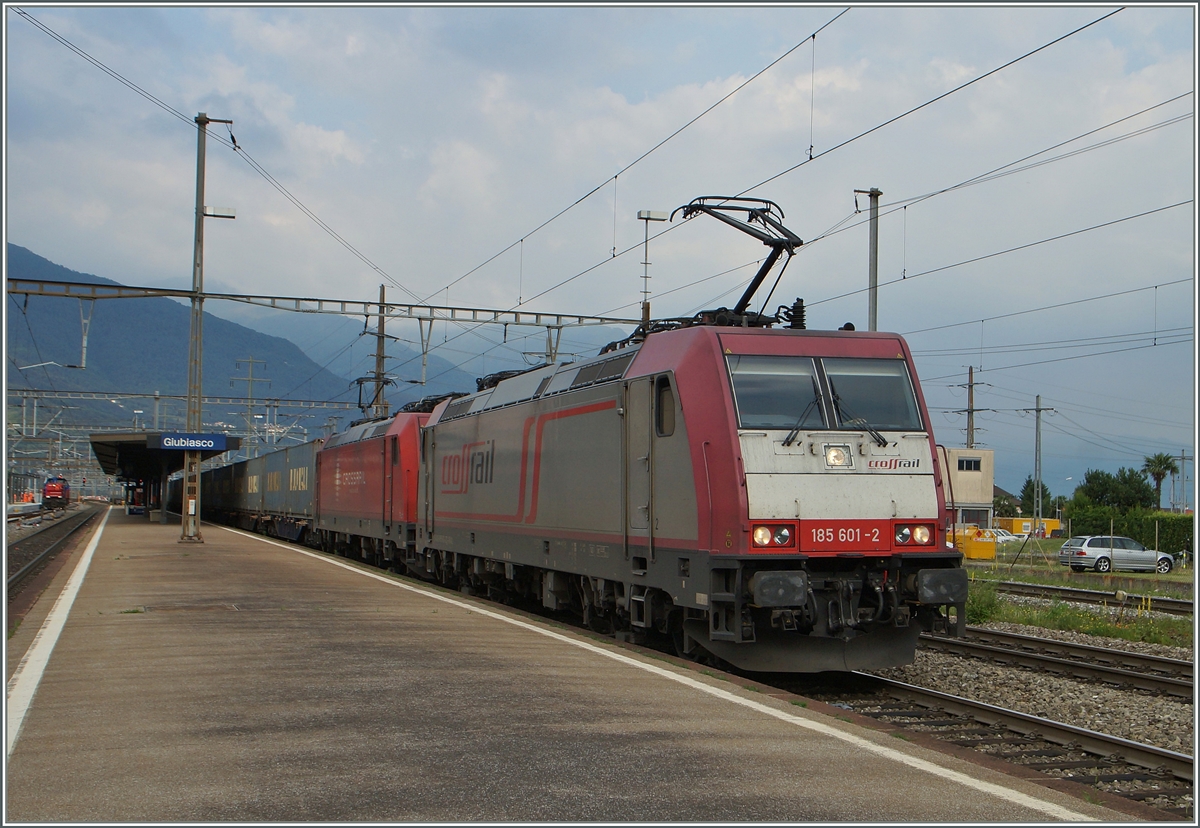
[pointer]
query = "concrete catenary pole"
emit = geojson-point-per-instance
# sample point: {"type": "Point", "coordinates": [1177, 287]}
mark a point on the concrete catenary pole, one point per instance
{"type": "Point", "coordinates": [1037, 466]}
{"type": "Point", "coordinates": [970, 406]}
{"type": "Point", "coordinates": [873, 280]}
{"type": "Point", "coordinates": [191, 459]}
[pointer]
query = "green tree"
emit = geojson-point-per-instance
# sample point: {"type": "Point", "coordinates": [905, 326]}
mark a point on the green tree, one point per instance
{"type": "Point", "coordinates": [1159, 466]}
{"type": "Point", "coordinates": [1126, 490]}
{"type": "Point", "coordinates": [1029, 492]}
{"type": "Point", "coordinates": [1004, 506]}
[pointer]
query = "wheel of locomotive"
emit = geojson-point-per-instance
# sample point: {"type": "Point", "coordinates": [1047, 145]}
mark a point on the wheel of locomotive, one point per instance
{"type": "Point", "coordinates": [1103, 565]}
{"type": "Point", "coordinates": [1163, 566]}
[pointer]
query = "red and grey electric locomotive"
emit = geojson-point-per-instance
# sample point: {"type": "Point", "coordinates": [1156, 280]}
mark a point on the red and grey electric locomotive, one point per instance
{"type": "Point", "coordinates": [56, 492]}
{"type": "Point", "coordinates": [758, 492]}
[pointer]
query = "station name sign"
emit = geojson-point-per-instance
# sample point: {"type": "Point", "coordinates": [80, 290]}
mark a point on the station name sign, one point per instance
{"type": "Point", "coordinates": [187, 442]}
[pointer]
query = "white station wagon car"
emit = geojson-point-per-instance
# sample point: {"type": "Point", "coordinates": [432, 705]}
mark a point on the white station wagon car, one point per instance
{"type": "Point", "coordinates": [1107, 552]}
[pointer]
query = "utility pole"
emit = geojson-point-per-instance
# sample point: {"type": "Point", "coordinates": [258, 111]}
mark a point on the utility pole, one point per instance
{"type": "Point", "coordinates": [970, 409]}
{"type": "Point", "coordinates": [873, 283]}
{"type": "Point", "coordinates": [191, 459]}
{"type": "Point", "coordinates": [1037, 462]}
{"type": "Point", "coordinates": [250, 380]}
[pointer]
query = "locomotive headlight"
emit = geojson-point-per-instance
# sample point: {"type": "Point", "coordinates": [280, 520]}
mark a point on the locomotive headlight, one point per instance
{"type": "Point", "coordinates": [903, 534]}
{"type": "Point", "coordinates": [762, 535]}
{"type": "Point", "coordinates": [782, 535]}
{"type": "Point", "coordinates": [837, 456]}
{"type": "Point", "coordinates": [921, 534]}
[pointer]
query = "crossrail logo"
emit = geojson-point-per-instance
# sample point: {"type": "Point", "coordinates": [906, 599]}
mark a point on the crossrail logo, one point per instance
{"type": "Point", "coordinates": [894, 463]}
{"type": "Point", "coordinates": [473, 464]}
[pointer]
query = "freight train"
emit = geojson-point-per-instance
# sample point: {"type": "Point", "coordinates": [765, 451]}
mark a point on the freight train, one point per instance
{"type": "Point", "coordinates": [764, 496]}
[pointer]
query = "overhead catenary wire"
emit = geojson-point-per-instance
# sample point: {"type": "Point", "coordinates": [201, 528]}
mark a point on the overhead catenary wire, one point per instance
{"type": "Point", "coordinates": [262, 172]}
{"type": "Point", "coordinates": [228, 142]}
{"type": "Point", "coordinates": [1181, 341]}
{"type": "Point", "coordinates": [1004, 171]}
{"type": "Point", "coordinates": [931, 101]}
{"type": "Point", "coordinates": [977, 259]}
{"type": "Point", "coordinates": [1058, 344]}
{"type": "Point", "coordinates": [639, 159]}
{"type": "Point", "coordinates": [982, 178]}
{"type": "Point", "coordinates": [1054, 306]}
{"type": "Point", "coordinates": [985, 177]}
{"type": "Point", "coordinates": [249, 160]}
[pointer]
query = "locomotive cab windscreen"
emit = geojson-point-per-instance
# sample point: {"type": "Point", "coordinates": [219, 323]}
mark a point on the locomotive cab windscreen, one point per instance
{"type": "Point", "coordinates": [801, 392]}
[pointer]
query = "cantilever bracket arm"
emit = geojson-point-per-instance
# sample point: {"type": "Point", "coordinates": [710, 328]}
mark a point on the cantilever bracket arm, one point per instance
{"type": "Point", "coordinates": [773, 233]}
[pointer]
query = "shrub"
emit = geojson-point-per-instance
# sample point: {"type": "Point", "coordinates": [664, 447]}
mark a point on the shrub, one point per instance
{"type": "Point", "coordinates": [1175, 532]}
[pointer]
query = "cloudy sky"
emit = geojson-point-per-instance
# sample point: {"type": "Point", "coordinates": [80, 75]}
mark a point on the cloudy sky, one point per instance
{"type": "Point", "coordinates": [437, 142]}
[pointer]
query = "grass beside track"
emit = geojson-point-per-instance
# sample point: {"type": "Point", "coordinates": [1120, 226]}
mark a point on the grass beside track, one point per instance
{"type": "Point", "coordinates": [985, 604]}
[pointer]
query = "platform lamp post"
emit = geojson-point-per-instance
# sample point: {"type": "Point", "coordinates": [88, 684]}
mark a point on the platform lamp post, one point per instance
{"type": "Point", "coordinates": [647, 216]}
{"type": "Point", "coordinates": [190, 507]}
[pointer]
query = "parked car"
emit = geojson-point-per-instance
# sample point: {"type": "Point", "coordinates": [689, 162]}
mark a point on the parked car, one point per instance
{"type": "Point", "coordinates": [1107, 552]}
{"type": "Point", "coordinates": [1004, 536]}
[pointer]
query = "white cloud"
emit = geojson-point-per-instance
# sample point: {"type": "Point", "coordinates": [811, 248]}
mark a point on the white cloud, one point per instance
{"type": "Point", "coordinates": [431, 139]}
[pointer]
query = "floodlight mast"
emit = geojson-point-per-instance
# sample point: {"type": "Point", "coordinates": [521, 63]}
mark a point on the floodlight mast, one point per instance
{"type": "Point", "coordinates": [773, 234]}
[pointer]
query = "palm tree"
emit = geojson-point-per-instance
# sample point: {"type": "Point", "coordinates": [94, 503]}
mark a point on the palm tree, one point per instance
{"type": "Point", "coordinates": [1159, 466]}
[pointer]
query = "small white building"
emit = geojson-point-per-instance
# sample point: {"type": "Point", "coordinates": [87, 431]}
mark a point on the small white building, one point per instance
{"type": "Point", "coordinates": [968, 480]}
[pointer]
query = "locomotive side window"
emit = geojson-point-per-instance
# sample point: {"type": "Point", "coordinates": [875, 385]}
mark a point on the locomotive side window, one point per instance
{"type": "Point", "coordinates": [873, 392]}
{"type": "Point", "coordinates": [776, 391]}
{"type": "Point", "coordinates": [395, 450]}
{"type": "Point", "coordinates": [664, 407]}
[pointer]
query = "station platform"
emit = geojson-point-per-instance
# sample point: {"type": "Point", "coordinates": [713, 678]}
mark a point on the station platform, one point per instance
{"type": "Point", "coordinates": [246, 680]}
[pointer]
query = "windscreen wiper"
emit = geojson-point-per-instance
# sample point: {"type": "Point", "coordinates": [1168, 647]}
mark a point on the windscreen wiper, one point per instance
{"type": "Point", "coordinates": [856, 421]}
{"type": "Point", "coordinates": [795, 432]}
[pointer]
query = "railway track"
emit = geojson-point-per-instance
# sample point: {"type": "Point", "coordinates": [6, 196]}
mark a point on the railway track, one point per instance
{"type": "Point", "coordinates": [29, 516]}
{"type": "Point", "coordinates": [1160, 778]}
{"type": "Point", "coordinates": [1147, 603]}
{"type": "Point", "coordinates": [27, 555]}
{"type": "Point", "coordinates": [1144, 672]}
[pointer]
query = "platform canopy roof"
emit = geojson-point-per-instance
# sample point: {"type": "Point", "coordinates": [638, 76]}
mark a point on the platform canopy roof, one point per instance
{"type": "Point", "coordinates": [135, 455]}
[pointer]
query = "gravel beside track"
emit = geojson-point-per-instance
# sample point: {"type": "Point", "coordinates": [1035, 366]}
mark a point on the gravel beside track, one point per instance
{"type": "Point", "coordinates": [1130, 714]}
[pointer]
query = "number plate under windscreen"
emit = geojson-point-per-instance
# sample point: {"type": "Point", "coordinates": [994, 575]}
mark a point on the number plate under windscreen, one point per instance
{"type": "Point", "coordinates": [845, 535]}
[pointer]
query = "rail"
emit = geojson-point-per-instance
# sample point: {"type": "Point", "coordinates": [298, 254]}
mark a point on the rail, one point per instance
{"type": "Point", "coordinates": [1122, 668]}
{"type": "Point", "coordinates": [1134, 753]}
{"type": "Point", "coordinates": [1148, 603]}
{"type": "Point", "coordinates": [24, 571]}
